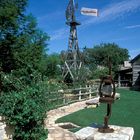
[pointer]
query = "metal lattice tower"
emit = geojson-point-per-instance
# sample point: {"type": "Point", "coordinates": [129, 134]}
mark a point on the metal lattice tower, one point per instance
{"type": "Point", "coordinates": [72, 59]}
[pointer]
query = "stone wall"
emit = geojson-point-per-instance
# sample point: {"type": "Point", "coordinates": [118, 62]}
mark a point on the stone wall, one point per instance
{"type": "Point", "coordinates": [2, 131]}
{"type": "Point", "coordinates": [120, 133]}
{"type": "Point", "coordinates": [5, 131]}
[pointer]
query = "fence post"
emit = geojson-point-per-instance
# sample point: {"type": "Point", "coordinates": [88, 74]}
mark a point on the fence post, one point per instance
{"type": "Point", "coordinates": [89, 91]}
{"type": "Point", "coordinates": [64, 99]}
{"type": "Point", "coordinates": [80, 97]}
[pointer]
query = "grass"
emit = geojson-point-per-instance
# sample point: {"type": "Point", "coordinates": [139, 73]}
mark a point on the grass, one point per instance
{"type": "Point", "coordinates": [125, 112]}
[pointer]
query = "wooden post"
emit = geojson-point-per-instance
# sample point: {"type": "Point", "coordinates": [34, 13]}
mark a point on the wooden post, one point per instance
{"type": "Point", "coordinates": [89, 92]}
{"type": "Point", "coordinates": [0, 80]}
{"type": "Point", "coordinates": [80, 97]}
{"type": "Point", "coordinates": [64, 99]}
{"type": "Point", "coordinates": [119, 80]}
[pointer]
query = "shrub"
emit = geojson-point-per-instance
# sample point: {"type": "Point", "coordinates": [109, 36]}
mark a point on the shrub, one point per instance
{"type": "Point", "coordinates": [26, 110]}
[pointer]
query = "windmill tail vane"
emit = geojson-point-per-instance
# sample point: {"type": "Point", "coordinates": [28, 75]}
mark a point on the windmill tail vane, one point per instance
{"type": "Point", "coordinates": [89, 11]}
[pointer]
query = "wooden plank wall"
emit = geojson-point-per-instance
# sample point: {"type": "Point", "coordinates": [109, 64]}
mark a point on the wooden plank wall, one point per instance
{"type": "Point", "coordinates": [136, 74]}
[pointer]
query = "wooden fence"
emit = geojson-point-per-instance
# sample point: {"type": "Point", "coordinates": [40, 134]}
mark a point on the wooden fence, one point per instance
{"type": "Point", "coordinates": [64, 97]}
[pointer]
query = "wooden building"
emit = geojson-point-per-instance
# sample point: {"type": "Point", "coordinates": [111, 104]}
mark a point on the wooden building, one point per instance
{"type": "Point", "coordinates": [136, 72]}
{"type": "Point", "coordinates": [123, 77]}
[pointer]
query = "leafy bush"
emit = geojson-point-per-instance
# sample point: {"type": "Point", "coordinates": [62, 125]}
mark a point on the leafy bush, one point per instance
{"type": "Point", "coordinates": [26, 110]}
{"type": "Point", "coordinates": [98, 73]}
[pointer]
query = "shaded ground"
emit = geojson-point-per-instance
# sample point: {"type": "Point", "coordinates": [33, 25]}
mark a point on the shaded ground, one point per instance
{"type": "Point", "coordinates": [125, 112]}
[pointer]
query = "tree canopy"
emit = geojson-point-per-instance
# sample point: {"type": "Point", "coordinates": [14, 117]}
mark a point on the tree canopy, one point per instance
{"type": "Point", "coordinates": [99, 55]}
{"type": "Point", "coordinates": [22, 51]}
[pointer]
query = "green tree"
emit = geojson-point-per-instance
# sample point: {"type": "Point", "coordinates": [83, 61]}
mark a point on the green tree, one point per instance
{"type": "Point", "coordinates": [30, 50]}
{"type": "Point", "coordinates": [22, 51]}
{"type": "Point", "coordinates": [11, 15]}
{"type": "Point", "coordinates": [99, 55]}
{"type": "Point", "coordinates": [53, 63]}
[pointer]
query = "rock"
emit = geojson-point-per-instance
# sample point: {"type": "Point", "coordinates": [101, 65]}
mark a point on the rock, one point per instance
{"type": "Point", "coordinates": [85, 132]}
{"type": "Point", "coordinates": [94, 101]}
{"type": "Point", "coordinates": [120, 133]}
{"type": "Point", "coordinates": [91, 106]}
{"type": "Point", "coordinates": [58, 133]}
{"type": "Point", "coordinates": [117, 96]}
{"type": "Point", "coordinates": [2, 131]}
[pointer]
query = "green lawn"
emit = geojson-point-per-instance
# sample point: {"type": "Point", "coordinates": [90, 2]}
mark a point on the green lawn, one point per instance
{"type": "Point", "coordinates": [125, 112]}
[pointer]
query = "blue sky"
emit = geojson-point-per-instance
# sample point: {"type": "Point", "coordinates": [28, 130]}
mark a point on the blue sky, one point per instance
{"type": "Point", "coordinates": [118, 21]}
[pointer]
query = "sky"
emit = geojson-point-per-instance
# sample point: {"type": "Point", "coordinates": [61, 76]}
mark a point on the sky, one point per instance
{"type": "Point", "coordinates": [118, 22]}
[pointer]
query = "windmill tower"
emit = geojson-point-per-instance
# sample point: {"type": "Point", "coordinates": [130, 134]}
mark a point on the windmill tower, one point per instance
{"type": "Point", "coordinates": [72, 57]}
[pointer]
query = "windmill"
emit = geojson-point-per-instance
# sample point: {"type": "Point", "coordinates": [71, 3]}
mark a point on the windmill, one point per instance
{"type": "Point", "coordinates": [72, 57]}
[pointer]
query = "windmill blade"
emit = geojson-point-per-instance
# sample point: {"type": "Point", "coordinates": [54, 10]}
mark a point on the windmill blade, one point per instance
{"type": "Point", "coordinates": [70, 10]}
{"type": "Point", "coordinates": [76, 5]}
